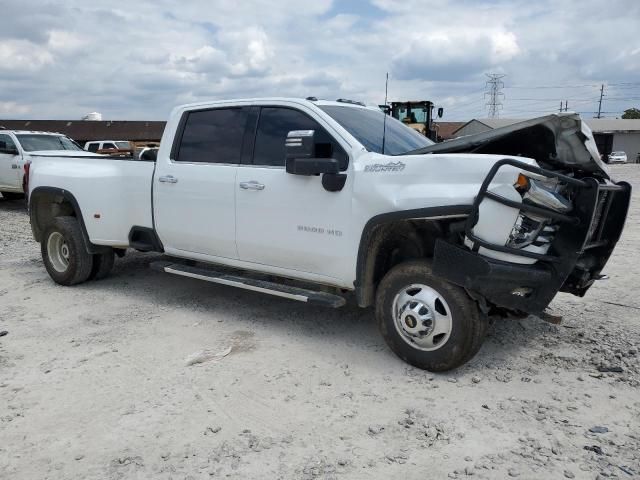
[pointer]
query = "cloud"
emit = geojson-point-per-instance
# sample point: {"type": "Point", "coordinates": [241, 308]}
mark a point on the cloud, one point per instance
{"type": "Point", "coordinates": [23, 55]}
{"type": "Point", "coordinates": [62, 41]}
{"type": "Point", "coordinates": [250, 51]}
{"type": "Point", "coordinates": [454, 55]}
{"type": "Point", "coordinates": [11, 108]}
{"type": "Point", "coordinates": [204, 59]}
{"type": "Point", "coordinates": [136, 60]}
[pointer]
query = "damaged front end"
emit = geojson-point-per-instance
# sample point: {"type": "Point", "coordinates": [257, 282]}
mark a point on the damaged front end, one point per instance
{"type": "Point", "coordinates": [552, 231]}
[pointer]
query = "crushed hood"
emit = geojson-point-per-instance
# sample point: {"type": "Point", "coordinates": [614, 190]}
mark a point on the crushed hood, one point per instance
{"type": "Point", "coordinates": [557, 140]}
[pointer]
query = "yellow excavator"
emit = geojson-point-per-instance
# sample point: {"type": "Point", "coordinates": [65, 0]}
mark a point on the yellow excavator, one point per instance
{"type": "Point", "coordinates": [417, 115]}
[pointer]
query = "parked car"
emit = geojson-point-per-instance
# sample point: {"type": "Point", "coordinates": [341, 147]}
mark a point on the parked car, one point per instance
{"type": "Point", "coordinates": [311, 201]}
{"type": "Point", "coordinates": [617, 157]}
{"type": "Point", "coordinates": [19, 147]}
{"type": "Point", "coordinates": [119, 148]}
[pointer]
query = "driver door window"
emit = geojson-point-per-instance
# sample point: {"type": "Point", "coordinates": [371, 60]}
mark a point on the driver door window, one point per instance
{"type": "Point", "coordinates": [274, 125]}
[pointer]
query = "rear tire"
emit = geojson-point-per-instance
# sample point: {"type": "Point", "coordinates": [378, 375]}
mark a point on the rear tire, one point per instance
{"type": "Point", "coordinates": [428, 322]}
{"type": "Point", "coordinates": [12, 195]}
{"type": "Point", "coordinates": [102, 265]}
{"type": "Point", "coordinates": [63, 252]}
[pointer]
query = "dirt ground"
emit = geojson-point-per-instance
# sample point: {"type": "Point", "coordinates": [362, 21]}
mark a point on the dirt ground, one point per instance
{"type": "Point", "coordinates": [94, 382]}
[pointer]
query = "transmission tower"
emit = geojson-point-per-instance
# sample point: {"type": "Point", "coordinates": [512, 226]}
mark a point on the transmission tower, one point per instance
{"type": "Point", "coordinates": [494, 92]}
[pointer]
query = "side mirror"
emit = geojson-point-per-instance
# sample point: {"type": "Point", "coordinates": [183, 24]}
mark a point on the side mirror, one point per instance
{"type": "Point", "coordinates": [301, 158]}
{"type": "Point", "coordinates": [440, 112]}
{"type": "Point", "coordinates": [300, 144]}
{"type": "Point", "coordinates": [312, 166]}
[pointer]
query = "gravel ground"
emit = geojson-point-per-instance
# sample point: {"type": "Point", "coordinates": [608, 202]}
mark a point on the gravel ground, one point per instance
{"type": "Point", "coordinates": [94, 382]}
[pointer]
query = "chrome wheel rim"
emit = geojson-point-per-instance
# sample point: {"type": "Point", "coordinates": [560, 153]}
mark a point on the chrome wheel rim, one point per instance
{"type": "Point", "coordinates": [58, 251]}
{"type": "Point", "coordinates": [422, 317]}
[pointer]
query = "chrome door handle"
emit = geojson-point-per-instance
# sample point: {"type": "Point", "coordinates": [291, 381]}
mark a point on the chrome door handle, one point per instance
{"type": "Point", "coordinates": [252, 185]}
{"type": "Point", "coordinates": [168, 179]}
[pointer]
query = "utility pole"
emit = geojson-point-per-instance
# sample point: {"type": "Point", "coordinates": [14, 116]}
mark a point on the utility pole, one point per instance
{"type": "Point", "coordinates": [384, 122]}
{"type": "Point", "coordinates": [600, 102]}
{"type": "Point", "coordinates": [494, 86]}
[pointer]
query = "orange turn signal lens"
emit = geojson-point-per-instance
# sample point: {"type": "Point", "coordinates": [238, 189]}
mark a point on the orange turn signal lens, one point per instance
{"type": "Point", "coordinates": [522, 183]}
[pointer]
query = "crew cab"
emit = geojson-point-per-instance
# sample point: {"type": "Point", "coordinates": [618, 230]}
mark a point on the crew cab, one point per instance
{"type": "Point", "coordinates": [319, 201]}
{"type": "Point", "coordinates": [18, 147]}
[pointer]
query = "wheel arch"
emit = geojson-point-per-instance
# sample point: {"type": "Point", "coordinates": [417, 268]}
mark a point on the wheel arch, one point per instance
{"type": "Point", "coordinates": [390, 238]}
{"type": "Point", "coordinates": [47, 203]}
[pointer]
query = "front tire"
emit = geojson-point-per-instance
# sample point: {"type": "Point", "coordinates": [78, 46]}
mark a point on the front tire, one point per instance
{"type": "Point", "coordinates": [63, 252]}
{"type": "Point", "coordinates": [428, 322]}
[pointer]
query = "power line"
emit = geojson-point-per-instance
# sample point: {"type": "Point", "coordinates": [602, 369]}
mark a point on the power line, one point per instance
{"type": "Point", "coordinates": [536, 87]}
{"type": "Point", "coordinates": [581, 96]}
{"type": "Point", "coordinates": [495, 86]}
{"type": "Point", "coordinates": [464, 105]}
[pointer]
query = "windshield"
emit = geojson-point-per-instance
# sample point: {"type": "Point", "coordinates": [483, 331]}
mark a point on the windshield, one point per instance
{"type": "Point", "coordinates": [413, 114]}
{"type": "Point", "coordinates": [617, 154]}
{"type": "Point", "coordinates": [123, 145]}
{"type": "Point", "coordinates": [35, 142]}
{"type": "Point", "coordinates": [366, 125]}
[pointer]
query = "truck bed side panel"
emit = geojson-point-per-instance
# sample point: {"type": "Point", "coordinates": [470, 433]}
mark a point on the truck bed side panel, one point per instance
{"type": "Point", "coordinates": [113, 194]}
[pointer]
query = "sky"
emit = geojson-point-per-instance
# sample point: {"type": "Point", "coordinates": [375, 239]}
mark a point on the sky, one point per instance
{"type": "Point", "coordinates": [136, 60]}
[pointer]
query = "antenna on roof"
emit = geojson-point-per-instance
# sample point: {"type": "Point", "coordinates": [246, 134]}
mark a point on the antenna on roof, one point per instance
{"type": "Point", "coordinates": [384, 122]}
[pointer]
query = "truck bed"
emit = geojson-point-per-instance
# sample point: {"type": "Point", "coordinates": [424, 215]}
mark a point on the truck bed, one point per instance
{"type": "Point", "coordinates": [113, 193]}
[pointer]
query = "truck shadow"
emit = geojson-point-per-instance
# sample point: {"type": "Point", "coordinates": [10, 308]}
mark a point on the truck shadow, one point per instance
{"type": "Point", "coordinates": [133, 274]}
{"type": "Point", "coordinates": [19, 205]}
{"type": "Point", "coordinates": [352, 327]}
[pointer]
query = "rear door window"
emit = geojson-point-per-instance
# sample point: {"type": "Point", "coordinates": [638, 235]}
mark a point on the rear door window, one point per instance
{"type": "Point", "coordinates": [213, 136]}
{"type": "Point", "coordinates": [108, 146]}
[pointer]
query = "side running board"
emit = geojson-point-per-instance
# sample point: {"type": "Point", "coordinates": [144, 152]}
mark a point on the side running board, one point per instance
{"type": "Point", "coordinates": [294, 293]}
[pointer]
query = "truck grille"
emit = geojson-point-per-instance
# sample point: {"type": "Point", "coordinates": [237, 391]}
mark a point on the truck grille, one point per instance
{"type": "Point", "coordinates": [594, 235]}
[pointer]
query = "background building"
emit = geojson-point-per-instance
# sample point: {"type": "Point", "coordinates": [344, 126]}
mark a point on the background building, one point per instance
{"type": "Point", "coordinates": [446, 130]}
{"type": "Point", "coordinates": [138, 132]}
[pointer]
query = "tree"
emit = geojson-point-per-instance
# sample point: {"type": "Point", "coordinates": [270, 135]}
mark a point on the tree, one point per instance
{"type": "Point", "coordinates": [631, 113]}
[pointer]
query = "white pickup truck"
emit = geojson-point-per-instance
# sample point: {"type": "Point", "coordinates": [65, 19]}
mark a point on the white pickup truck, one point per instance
{"type": "Point", "coordinates": [17, 147]}
{"type": "Point", "coordinates": [317, 201]}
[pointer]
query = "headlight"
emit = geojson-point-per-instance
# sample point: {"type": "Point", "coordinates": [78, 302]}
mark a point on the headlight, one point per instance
{"type": "Point", "coordinates": [531, 230]}
{"type": "Point", "coordinates": [542, 194]}
{"type": "Point", "coordinates": [539, 195]}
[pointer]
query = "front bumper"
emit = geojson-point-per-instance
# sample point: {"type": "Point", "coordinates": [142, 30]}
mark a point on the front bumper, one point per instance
{"type": "Point", "coordinates": [578, 253]}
